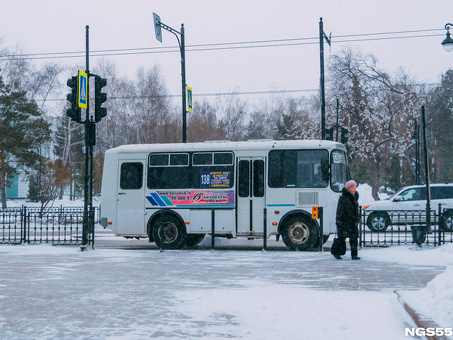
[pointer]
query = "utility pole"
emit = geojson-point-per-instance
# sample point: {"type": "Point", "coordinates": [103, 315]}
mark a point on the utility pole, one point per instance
{"type": "Point", "coordinates": [90, 130]}
{"type": "Point", "coordinates": [79, 98]}
{"type": "Point", "coordinates": [322, 36]}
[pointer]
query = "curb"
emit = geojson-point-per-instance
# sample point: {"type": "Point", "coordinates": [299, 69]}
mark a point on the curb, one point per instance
{"type": "Point", "coordinates": [420, 320]}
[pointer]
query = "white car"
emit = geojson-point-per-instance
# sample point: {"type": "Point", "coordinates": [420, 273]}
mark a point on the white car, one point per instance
{"type": "Point", "coordinates": [399, 208]}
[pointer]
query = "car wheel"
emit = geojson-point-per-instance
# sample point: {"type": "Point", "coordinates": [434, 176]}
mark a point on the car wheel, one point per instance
{"type": "Point", "coordinates": [378, 221]}
{"type": "Point", "coordinates": [447, 223]}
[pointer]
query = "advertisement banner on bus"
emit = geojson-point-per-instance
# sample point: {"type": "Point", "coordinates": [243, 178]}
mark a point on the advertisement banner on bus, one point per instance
{"type": "Point", "coordinates": [191, 198]}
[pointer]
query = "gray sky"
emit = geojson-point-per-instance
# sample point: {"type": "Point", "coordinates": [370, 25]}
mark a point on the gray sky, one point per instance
{"type": "Point", "coordinates": [48, 26]}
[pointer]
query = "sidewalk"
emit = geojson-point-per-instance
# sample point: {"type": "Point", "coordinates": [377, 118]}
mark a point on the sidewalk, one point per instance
{"type": "Point", "coordinates": [62, 293]}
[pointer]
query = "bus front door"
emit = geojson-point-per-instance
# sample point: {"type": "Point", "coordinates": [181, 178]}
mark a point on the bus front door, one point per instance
{"type": "Point", "coordinates": [250, 195]}
{"type": "Point", "coordinates": [131, 196]}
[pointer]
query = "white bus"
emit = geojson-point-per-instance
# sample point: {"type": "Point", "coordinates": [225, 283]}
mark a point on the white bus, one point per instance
{"type": "Point", "coordinates": [176, 186]}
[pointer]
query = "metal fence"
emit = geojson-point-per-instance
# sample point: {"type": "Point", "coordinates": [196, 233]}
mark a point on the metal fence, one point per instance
{"type": "Point", "coordinates": [59, 226]}
{"type": "Point", "coordinates": [403, 227]}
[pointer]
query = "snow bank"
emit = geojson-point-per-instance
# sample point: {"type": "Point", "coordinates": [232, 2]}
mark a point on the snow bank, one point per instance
{"type": "Point", "coordinates": [413, 255]}
{"type": "Point", "coordinates": [365, 194]}
{"type": "Point", "coordinates": [364, 191]}
{"type": "Point", "coordinates": [436, 299]}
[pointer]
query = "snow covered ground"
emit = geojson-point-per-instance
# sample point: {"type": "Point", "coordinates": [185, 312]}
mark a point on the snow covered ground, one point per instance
{"type": "Point", "coordinates": [59, 292]}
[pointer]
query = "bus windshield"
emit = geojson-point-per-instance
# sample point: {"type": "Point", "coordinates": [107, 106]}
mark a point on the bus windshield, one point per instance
{"type": "Point", "coordinates": [339, 170]}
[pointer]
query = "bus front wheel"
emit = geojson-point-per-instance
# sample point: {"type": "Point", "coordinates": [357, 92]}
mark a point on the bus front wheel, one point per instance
{"type": "Point", "coordinates": [299, 233]}
{"type": "Point", "coordinates": [169, 232]}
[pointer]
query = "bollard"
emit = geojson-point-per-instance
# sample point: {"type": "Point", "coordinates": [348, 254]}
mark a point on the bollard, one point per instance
{"type": "Point", "coordinates": [212, 230]}
{"type": "Point", "coordinates": [321, 225]}
{"type": "Point", "coordinates": [162, 235]}
{"type": "Point", "coordinates": [24, 224]}
{"type": "Point", "coordinates": [265, 229]}
{"type": "Point", "coordinates": [441, 223]}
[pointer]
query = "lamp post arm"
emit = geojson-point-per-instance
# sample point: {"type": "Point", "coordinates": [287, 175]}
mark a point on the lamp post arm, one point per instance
{"type": "Point", "coordinates": [171, 30]}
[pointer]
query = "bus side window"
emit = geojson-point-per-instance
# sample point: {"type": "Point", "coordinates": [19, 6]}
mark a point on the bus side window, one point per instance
{"type": "Point", "coordinates": [275, 169]}
{"type": "Point", "coordinates": [131, 176]}
{"type": "Point", "coordinates": [258, 178]}
{"type": "Point", "coordinates": [244, 179]}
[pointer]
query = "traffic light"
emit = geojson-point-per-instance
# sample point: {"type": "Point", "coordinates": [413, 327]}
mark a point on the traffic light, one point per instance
{"type": "Point", "coordinates": [344, 132]}
{"type": "Point", "coordinates": [99, 98]}
{"type": "Point", "coordinates": [74, 111]}
{"type": "Point", "coordinates": [329, 133]}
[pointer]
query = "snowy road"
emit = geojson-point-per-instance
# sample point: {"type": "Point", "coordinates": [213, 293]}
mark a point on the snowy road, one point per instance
{"type": "Point", "coordinates": [62, 293]}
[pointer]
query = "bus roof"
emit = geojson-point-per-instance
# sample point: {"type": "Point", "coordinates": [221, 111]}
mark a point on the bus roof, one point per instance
{"type": "Point", "coordinates": [266, 144]}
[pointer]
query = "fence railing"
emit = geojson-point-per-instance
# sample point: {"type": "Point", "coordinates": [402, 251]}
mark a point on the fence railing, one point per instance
{"type": "Point", "coordinates": [62, 226]}
{"type": "Point", "coordinates": [386, 228]}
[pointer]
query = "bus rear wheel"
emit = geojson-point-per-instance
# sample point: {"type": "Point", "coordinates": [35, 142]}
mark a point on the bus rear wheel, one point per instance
{"type": "Point", "coordinates": [169, 232]}
{"type": "Point", "coordinates": [299, 233]}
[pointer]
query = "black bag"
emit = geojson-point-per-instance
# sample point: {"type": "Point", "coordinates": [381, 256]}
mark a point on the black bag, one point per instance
{"type": "Point", "coordinates": [338, 247]}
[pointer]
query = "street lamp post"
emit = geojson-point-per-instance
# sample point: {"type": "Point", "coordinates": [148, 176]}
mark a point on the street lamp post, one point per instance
{"type": "Point", "coordinates": [416, 139]}
{"type": "Point", "coordinates": [427, 177]}
{"type": "Point", "coordinates": [322, 36]}
{"type": "Point", "coordinates": [158, 25]}
{"type": "Point", "coordinates": [448, 41]}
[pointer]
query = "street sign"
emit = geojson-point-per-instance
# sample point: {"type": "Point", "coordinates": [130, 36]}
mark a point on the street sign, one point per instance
{"type": "Point", "coordinates": [157, 27]}
{"type": "Point", "coordinates": [189, 98]}
{"type": "Point", "coordinates": [83, 90]}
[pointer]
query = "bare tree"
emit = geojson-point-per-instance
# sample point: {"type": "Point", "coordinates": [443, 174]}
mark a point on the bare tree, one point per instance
{"type": "Point", "coordinates": [377, 108]}
{"type": "Point", "coordinates": [203, 123]}
{"type": "Point", "coordinates": [233, 114]}
{"type": "Point", "coordinates": [53, 175]}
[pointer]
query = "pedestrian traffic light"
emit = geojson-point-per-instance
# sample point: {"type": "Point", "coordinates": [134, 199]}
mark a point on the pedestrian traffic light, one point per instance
{"type": "Point", "coordinates": [99, 98]}
{"type": "Point", "coordinates": [329, 133]}
{"type": "Point", "coordinates": [344, 132]}
{"type": "Point", "coordinates": [74, 111]}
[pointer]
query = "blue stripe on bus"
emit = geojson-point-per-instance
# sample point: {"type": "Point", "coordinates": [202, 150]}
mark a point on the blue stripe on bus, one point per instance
{"type": "Point", "coordinates": [166, 200]}
{"type": "Point", "coordinates": [151, 200]}
{"type": "Point", "coordinates": [158, 199]}
{"type": "Point", "coordinates": [281, 205]}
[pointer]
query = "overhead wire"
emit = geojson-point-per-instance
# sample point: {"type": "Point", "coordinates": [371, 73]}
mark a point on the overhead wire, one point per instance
{"type": "Point", "coordinates": [348, 38]}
